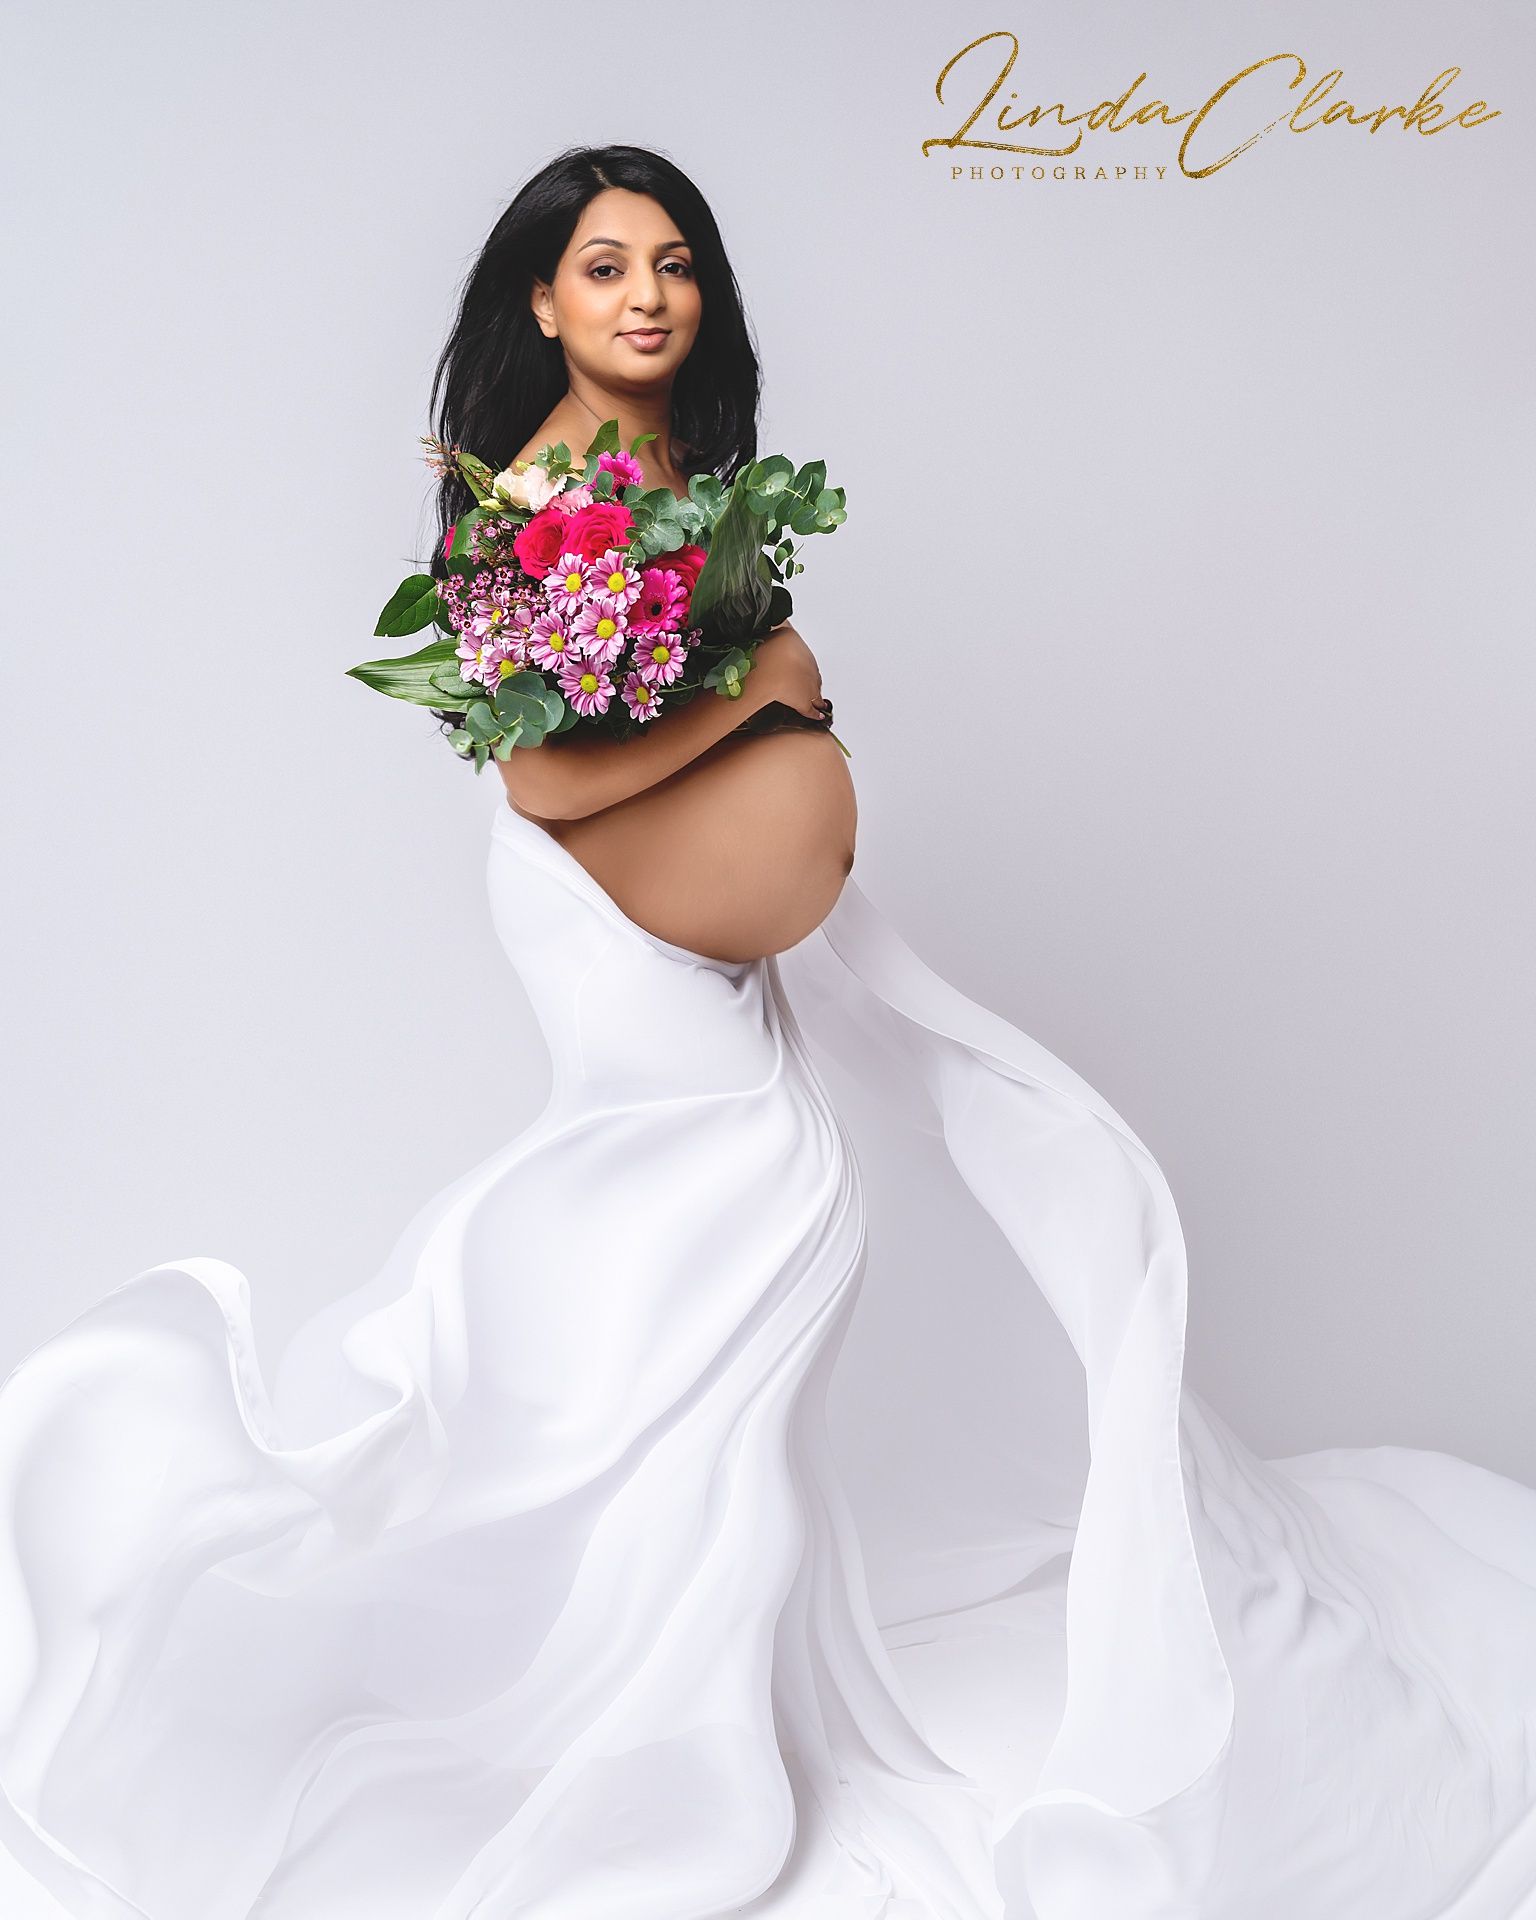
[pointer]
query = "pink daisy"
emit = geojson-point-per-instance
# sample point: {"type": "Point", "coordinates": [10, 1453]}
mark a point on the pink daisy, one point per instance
{"type": "Point", "coordinates": [661, 605]}
{"type": "Point", "coordinates": [474, 659]}
{"type": "Point", "coordinates": [615, 577]}
{"type": "Point", "coordinates": [567, 581]}
{"type": "Point", "coordinates": [659, 658]}
{"type": "Point", "coordinates": [505, 655]}
{"type": "Point", "coordinates": [601, 629]}
{"type": "Point", "coordinates": [643, 701]}
{"type": "Point", "coordinates": [550, 640]}
{"type": "Point", "coordinates": [585, 683]}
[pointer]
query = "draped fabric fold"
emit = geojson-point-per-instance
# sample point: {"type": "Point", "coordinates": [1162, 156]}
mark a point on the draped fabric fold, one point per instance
{"type": "Point", "coordinates": [766, 1486]}
{"type": "Point", "coordinates": [1087, 1211]}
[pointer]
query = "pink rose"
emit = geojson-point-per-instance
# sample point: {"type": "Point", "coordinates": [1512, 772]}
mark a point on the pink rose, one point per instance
{"type": "Point", "coordinates": [540, 544]}
{"type": "Point", "coordinates": [595, 529]}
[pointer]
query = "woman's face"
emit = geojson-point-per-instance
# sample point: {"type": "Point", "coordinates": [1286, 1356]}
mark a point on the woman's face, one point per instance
{"type": "Point", "coordinates": [626, 269]}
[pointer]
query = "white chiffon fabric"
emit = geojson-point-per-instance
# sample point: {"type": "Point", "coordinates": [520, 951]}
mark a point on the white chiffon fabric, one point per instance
{"type": "Point", "coordinates": [560, 1575]}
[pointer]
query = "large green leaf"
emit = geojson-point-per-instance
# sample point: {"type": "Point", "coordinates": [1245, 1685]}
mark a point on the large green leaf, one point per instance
{"type": "Point", "coordinates": [412, 606]}
{"type": "Point", "coordinates": [464, 526]}
{"type": "Point", "coordinates": [477, 477]}
{"type": "Point", "coordinates": [409, 678]}
{"type": "Point", "coordinates": [730, 596]}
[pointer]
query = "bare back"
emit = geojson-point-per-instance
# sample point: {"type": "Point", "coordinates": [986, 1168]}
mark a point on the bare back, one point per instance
{"type": "Point", "coordinates": [740, 853]}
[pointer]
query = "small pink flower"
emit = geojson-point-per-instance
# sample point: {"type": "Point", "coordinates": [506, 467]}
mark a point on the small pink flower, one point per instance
{"type": "Point", "coordinates": [643, 701]}
{"type": "Point", "coordinates": [625, 468]}
{"type": "Point", "coordinates": [450, 593]}
{"type": "Point", "coordinates": [659, 658]}
{"type": "Point", "coordinates": [567, 582]}
{"type": "Point", "coordinates": [550, 640]}
{"type": "Point", "coordinates": [661, 605]}
{"type": "Point", "coordinates": [490, 603]}
{"type": "Point", "coordinates": [601, 629]}
{"type": "Point", "coordinates": [585, 683]}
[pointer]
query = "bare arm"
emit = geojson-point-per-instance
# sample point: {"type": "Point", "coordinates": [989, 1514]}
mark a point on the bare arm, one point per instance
{"type": "Point", "coordinates": [582, 772]}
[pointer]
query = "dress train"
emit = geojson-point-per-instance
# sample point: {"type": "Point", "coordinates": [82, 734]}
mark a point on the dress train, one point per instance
{"type": "Point", "coordinates": [538, 1584]}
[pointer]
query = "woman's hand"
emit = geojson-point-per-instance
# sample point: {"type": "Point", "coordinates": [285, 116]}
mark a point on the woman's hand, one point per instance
{"type": "Point", "coordinates": [791, 676]}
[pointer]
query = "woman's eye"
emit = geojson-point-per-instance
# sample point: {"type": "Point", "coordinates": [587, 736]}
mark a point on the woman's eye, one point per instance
{"type": "Point", "coordinates": [605, 267]}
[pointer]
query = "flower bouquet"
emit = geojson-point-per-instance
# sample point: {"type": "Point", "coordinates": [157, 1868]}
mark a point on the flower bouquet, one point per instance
{"type": "Point", "coordinates": [574, 595]}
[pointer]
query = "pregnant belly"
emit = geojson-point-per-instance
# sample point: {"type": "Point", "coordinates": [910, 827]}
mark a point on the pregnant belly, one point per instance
{"type": "Point", "coordinates": [741, 853]}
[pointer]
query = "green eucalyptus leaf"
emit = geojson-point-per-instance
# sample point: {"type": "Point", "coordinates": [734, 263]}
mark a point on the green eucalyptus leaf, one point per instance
{"type": "Point", "coordinates": [729, 671]}
{"type": "Point", "coordinates": [482, 722]}
{"type": "Point", "coordinates": [482, 754]}
{"type": "Point", "coordinates": [523, 712]}
{"type": "Point", "coordinates": [527, 680]}
{"type": "Point", "coordinates": [461, 741]}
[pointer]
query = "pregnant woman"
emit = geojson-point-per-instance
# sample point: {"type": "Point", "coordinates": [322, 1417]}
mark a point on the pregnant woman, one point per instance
{"type": "Point", "coordinates": [533, 1587]}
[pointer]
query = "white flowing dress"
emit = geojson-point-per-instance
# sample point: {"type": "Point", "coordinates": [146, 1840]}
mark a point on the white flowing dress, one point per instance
{"type": "Point", "coordinates": [556, 1576]}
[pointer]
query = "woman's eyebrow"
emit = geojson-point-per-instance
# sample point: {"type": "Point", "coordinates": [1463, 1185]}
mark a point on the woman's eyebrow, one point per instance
{"type": "Point", "coordinates": [602, 240]}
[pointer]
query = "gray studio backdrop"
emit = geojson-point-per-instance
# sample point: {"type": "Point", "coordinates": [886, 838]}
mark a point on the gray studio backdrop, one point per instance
{"type": "Point", "coordinates": [1231, 487]}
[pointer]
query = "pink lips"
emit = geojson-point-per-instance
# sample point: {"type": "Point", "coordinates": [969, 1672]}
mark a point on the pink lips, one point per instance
{"type": "Point", "coordinates": [646, 339]}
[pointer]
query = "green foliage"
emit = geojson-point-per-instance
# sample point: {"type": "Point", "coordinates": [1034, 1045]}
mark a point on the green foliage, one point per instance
{"type": "Point", "coordinates": [739, 595]}
{"type": "Point", "coordinates": [727, 674]}
{"type": "Point", "coordinates": [477, 477]}
{"type": "Point", "coordinates": [748, 532]}
{"type": "Point", "coordinates": [411, 678]}
{"type": "Point", "coordinates": [413, 605]}
{"type": "Point", "coordinates": [464, 526]}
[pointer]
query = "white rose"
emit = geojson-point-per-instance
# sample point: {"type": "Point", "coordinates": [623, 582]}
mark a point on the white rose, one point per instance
{"type": "Point", "coordinates": [526, 486]}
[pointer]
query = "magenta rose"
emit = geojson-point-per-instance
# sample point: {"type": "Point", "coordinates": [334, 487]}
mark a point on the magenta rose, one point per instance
{"type": "Point", "coordinates": [540, 544]}
{"type": "Point", "coordinates": [593, 530]}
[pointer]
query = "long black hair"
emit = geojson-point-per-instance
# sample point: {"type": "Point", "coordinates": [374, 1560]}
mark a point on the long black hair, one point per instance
{"type": "Point", "coordinates": [498, 376]}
